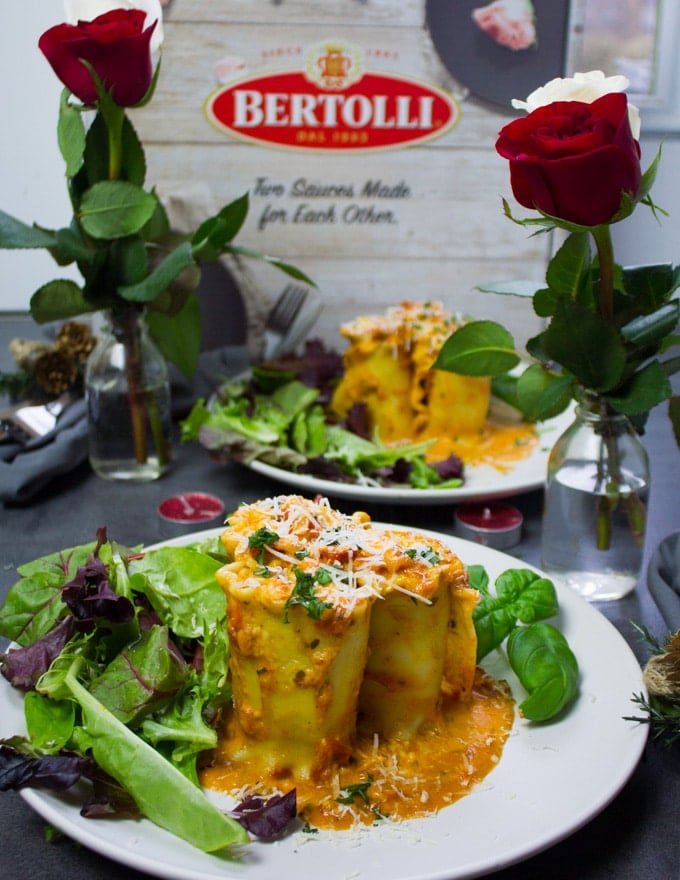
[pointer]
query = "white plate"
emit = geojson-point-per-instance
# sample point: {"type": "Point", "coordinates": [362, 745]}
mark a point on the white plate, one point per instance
{"type": "Point", "coordinates": [481, 482]}
{"type": "Point", "coordinates": [551, 780]}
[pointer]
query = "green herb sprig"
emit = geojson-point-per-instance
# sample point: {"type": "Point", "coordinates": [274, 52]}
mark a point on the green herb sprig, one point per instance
{"type": "Point", "coordinates": [262, 539]}
{"type": "Point", "coordinates": [304, 593]}
{"type": "Point", "coordinates": [538, 653]}
{"type": "Point", "coordinates": [661, 708]}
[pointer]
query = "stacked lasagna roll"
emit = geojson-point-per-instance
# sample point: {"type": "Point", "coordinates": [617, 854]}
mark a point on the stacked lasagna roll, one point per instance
{"type": "Point", "coordinates": [387, 368]}
{"type": "Point", "coordinates": [335, 622]}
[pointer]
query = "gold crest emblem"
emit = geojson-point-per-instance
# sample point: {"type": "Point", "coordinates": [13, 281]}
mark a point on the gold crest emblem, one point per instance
{"type": "Point", "coordinates": [334, 65]}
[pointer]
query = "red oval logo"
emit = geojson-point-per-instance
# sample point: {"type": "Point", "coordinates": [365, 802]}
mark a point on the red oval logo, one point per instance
{"type": "Point", "coordinates": [380, 111]}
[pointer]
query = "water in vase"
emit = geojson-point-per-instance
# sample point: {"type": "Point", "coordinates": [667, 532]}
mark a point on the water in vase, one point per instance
{"type": "Point", "coordinates": [577, 509]}
{"type": "Point", "coordinates": [111, 445]}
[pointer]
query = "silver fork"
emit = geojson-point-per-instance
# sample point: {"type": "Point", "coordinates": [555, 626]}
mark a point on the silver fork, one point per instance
{"type": "Point", "coordinates": [281, 319]}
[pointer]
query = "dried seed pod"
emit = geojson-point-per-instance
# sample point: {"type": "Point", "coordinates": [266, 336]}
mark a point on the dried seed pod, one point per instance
{"type": "Point", "coordinates": [27, 351]}
{"type": "Point", "coordinates": [662, 672]}
{"type": "Point", "coordinates": [55, 372]}
{"type": "Point", "coordinates": [76, 339]}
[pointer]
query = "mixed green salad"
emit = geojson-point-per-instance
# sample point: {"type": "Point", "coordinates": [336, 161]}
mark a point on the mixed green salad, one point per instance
{"type": "Point", "coordinates": [122, 657]}
{"type": "Point", "coordinates": [279, 414]}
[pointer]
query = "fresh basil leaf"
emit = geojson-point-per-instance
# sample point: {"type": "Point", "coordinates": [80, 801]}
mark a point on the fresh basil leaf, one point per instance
{"type": "Point", "coordinates": [521, 594]}
{"type": "Point", "coordinates": [478, 578]}
{"type": "Point", "coordinates": [545, 665]}
{"type": "Point", "coordinates": [529, 595]}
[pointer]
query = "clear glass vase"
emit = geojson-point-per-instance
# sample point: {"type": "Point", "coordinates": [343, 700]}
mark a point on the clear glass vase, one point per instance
{"type": "Point", "coordinates": [128, 401]}
{"type": "Point", "coordinates": [595, 503]}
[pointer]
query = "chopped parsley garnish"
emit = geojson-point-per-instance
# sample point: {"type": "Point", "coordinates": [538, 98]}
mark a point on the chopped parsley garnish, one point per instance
{"type": "Point", "coordinates": [261, 539]}
{"type": "Point", "coordinates": [323, 576]}
{"type": "Point", "coordinates": [427, 555]}
{"type": "Point", "coordinates": [358, 790]}
{"type": "Point", "coordinates": [304, 594]}
{"type": "Point", "coordinates": [301, 554]}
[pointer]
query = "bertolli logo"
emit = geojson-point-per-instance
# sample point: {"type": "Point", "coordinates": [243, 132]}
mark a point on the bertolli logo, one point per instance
{"type": "Point", "coordinates": [332, 104]}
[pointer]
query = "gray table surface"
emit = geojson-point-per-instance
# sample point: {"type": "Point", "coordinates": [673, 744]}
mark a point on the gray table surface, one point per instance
{"type": "Point", "coordinates": [634, 837]}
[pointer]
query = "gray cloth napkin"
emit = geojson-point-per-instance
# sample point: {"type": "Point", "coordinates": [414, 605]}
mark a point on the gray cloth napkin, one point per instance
{"type": "Point", "coordinates": [25, 470]}
{"type": "Point", "coordinates": [663, 580]}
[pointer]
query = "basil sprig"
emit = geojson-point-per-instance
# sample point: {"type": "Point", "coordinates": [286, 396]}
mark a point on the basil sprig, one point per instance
{"type": "Point", "coordinates": [538, 653]}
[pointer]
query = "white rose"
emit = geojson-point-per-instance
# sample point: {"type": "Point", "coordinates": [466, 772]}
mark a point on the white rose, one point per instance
{"type": "Point", "coordinates": [86, 10]}
{"type": "Point", "coordinates": [586, 87]}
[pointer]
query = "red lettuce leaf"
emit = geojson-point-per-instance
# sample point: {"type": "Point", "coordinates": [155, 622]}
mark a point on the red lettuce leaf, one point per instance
{"type": "Point", "coordinates": [266, 817]}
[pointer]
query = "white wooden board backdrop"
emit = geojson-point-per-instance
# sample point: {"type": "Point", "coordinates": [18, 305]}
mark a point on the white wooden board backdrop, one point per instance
{"type": "Point", "coordinates": [444, 237]}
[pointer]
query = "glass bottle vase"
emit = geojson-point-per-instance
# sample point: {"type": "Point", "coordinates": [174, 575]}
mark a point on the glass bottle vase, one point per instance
{"type": "Point", "coordinates": [127, 389]}
{"type": "Point", "coordinates": [595, 503]}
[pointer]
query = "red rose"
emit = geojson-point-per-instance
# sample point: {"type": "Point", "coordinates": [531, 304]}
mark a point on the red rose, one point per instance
{"type": "Point", "coordinates": [114, 44]}
{"type": "Point", "coordinates": [573, 160]}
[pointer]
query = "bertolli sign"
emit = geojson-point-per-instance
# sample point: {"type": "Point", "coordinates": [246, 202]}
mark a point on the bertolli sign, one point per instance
{"type": "Point", "coordinates": [332, 103]}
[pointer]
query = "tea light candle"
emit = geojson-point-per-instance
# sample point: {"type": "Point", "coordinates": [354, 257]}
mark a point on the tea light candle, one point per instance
{"type": "Point", "coordinates": [189, 512]}
{"type": "Point", "coordinates": [494, 524]}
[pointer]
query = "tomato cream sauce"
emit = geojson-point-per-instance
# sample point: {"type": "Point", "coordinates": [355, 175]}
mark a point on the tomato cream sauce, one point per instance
{"type": "Point", "coordinates": [391, 780]}
{"type": "Point", "coordinates": [498, 445]}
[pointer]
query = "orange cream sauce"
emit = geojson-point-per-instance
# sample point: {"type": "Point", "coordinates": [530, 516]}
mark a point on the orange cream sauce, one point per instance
{"type": "Point", "coordinates": [497, 445]}
{"type": "Point", "coordinates": [406, 779]}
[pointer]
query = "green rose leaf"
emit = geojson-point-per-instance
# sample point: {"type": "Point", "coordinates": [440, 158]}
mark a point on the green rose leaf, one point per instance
{"type": "Point", "coordinates": [15, 235]}
{"type": "Point", "coordinates": [290, 270]}
{"type": "Point", "coordinates": [651, 286]}
{"type": "Point", "coordinates": [128, 260]}
{"type": "Point", "coordinates": [161, 277]}
{"type": "Point", "coordinates": [134, 160]}
{"type": "Point", "coordinates": [71, 247]}
{"type": "Point", "coordinates": [674, 415]}
{"type": "Point", "coordinates": [480, 348]}
{"type": "Point", "coordinates": [651, 330]}
{"type": "Point", "coordinates": [70, 134]}
{"type": "Point", "coordinates": [178, 336]}
{"type": "Point", "coordinates": [648, 387]}
{"type": "Point", "coordinates": [543, 395]}
{"type": "Point", "coordinates": [585, 345]}
{"type": "Point", "coordinates": [214, 234]}
{"type": "Point", "coordinates": [509, 288]}
{"type": "Point", "coordinates": [649, 176]}
{"type": "Point", "coordinates": [570, 264]}
{"type": "Point", "coordinates": [545, 301]}
{"type": "Point", "coordinates": [158, 227]}
{"type": "Point", "coordinates": [58, 301]}
{"type": "Point", "coordinates": [115, 208]}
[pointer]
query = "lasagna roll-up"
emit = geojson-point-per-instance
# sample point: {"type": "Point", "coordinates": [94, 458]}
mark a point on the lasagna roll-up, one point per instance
{"type": "Point", "coordinates": [298, 628]}
{"type": "Point", "coordinates": [422, 642]}
{"type": "Point", "coordinates": [388, 369]}
{"type": "Point", "coordinates": [332, 618]}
